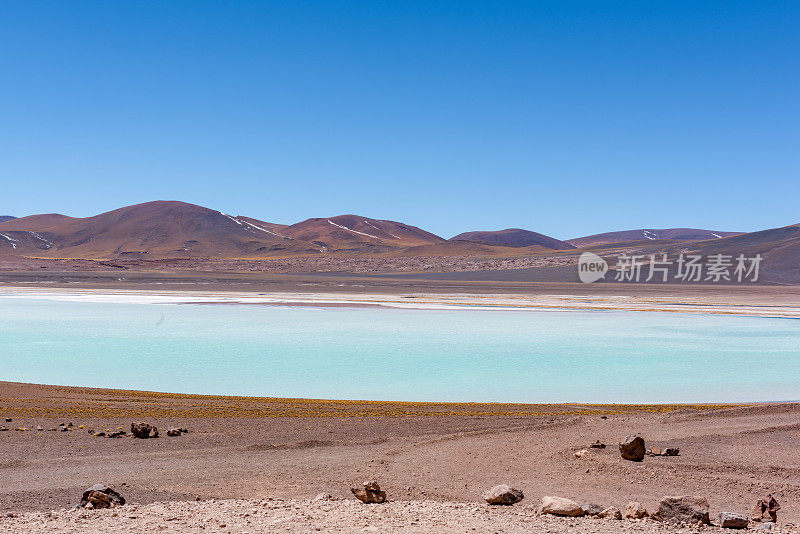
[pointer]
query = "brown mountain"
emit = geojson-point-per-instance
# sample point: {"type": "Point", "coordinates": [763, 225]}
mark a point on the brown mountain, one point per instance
{"type": "Point", "coordinates": [514, 237]}
{"type": "Point", "coordinates": [160, 229]}
{"type": "Point", "coordinates": [672, 234]}
{"type": "Point", "coordinates": [354, 232]}
{"type": "Point", "coordinates": [779, 248]}
{"type": "Point", "coordinates": [35, 222]}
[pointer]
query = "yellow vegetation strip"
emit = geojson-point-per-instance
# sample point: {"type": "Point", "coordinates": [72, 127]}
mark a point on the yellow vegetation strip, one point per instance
{"type": "Point", "coordinates": [130, 404]}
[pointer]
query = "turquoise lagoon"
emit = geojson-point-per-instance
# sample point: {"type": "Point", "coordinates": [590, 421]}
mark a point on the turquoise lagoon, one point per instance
{"type": "Point", "coordinates": [401, 354]}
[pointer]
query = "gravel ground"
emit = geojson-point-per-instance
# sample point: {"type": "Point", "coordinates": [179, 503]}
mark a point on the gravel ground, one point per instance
{"type": "Point", "coordinates": [251, 516]}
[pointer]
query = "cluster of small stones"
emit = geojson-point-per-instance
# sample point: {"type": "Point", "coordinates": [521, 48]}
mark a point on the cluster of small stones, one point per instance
{"type": "Point", "coordinates": [138, 430]}
{"type": "Point", "coordinates": [679, 510]}
{"type": "Point", "coordinates": [684, 510]}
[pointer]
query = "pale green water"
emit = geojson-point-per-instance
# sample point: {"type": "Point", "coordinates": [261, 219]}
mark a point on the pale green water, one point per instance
{"type": "Point", "coordinates": [349, 353]}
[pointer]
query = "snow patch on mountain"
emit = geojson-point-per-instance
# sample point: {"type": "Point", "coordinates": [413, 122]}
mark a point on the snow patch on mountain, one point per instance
{"type": "Point", "coordinates": [351, 230]}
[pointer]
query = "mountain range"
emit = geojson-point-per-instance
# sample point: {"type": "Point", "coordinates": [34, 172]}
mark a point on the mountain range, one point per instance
{"type": "Point", "coordinates": [172, 229]}
{"type": "Point", "coordinates": [514, 237]}
{"type": "Point", "coordinates": [672, 234]}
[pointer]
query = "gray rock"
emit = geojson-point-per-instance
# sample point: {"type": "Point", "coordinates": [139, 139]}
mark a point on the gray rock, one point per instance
{"type": "Point", "coordinates": [503, 494]}
{"type": "Point", "coordinates": [371, 493]}
{"type": "Point", "coordinates": [688, 509]}
{"type": "Point", "coordinates": [632, 448]}
{"type": "Point", "coordinates": [731, 520]}
{"type": "Point", "coordinates": [173, 432]}
{"type": "Point", "coordinates": [561, 506]}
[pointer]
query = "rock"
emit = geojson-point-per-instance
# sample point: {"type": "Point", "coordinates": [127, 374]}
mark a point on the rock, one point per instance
{"type": "Point", "coordinates": [40, 429]}
{"type": "Point", "coordinates": [99, 499]}
{"type": "Point", "coordinates": [324, 497]}
{"type": "Point", "coordinates": [635, 510]}
{"type": "Point", "coordinates": [101, 496]}
{"type": "Point", "coordinates": [731, 520]}
{"type": "Point", "coordinates": [503, 494]}
{"type": "Point", "coordinates": [632, 448]}
{"type": "Point", "coordinates": [669, 451]}
{"type": "Point", "coordinates": [172, 432]}
{"type": "Point", "coordinates": [598, 445]}
{"type": "Point", "coordinates": [64, 429]}
{"type": "Point", "coordinates": [766, 509]}
{"type": "Point", "coordinates": [612, 512]}
{"type": "Point", "coordinates": [143, 431]}
{"type": "Point", "coordinates": [116, 434]}
{"type": "Point", "coordinates": [581, 453]}
{"type": "Point", "coordinates": [592, 509]}
{"type": "Point", "coordinates": [8, 419]}
{"type": "Point", "coordinates": [100, 434]}
{"type": "Point", "coordinates": [371, 493]}
{"type": "Point", "coordinates": [766, 527]}
{"type": "Point", "coordinates": [687, 509]}
{"type": "Point", "coordinates": [3, 429]}
{"type": "Point", "coordinates": [561, 506]}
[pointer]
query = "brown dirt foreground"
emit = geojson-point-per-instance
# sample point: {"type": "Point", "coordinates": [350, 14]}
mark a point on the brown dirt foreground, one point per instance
{"type": "Point", "coordinates": [433, 459]}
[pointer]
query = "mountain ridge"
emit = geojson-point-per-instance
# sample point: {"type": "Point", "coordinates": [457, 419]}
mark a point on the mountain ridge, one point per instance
{"type": "Point", "coordinates": [649, 234]}
{"type": "Point", "coordinates": [513, 237]}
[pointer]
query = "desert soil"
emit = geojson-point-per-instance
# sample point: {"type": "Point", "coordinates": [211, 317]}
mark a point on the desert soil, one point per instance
{"type": "Point", "coordinates": [434, 460]}
{"type": "Point", "coordinates": [252, 516]}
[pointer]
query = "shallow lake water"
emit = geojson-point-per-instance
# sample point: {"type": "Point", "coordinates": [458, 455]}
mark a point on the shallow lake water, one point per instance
{"type": "Point", "coordinates": [400, 354]}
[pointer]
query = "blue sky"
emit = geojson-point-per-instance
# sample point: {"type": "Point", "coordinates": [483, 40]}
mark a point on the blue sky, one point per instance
{"type": "Point", "coordinates": [568, 118]}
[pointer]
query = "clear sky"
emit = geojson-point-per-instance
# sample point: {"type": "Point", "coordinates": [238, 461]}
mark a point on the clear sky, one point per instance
{"type": "Point", "coordinates": [565, 117]}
